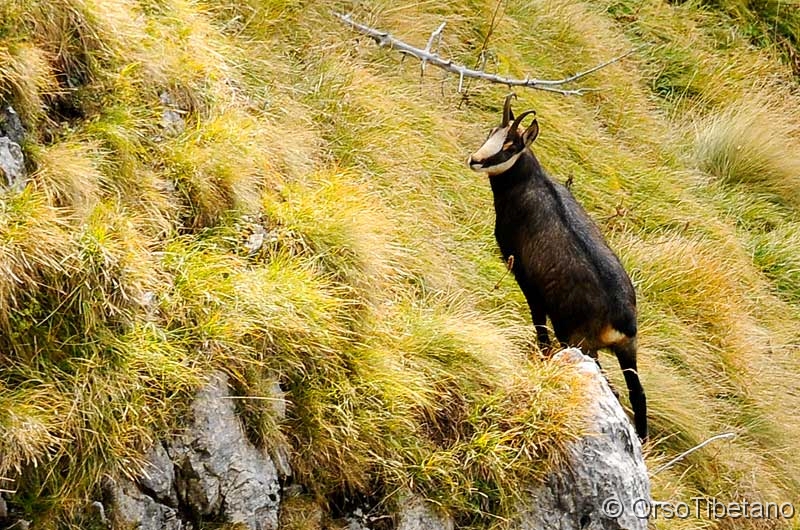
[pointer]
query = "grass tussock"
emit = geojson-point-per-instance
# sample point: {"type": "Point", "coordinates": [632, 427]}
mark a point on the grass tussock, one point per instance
{"type": "Point", "coordinates": [752, 143]}
{"type": "Point", "coordinates": [302, 215]}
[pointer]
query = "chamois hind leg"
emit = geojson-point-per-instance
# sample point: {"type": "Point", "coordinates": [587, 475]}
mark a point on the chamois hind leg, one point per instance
{"type": "Point", "coordinates": [594, 355]}
{"type": "Point", "coordinates": [626, 355]}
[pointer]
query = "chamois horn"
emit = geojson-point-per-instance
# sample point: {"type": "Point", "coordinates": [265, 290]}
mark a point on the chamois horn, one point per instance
{"type": "Point", "coordinates": [520, 118]}
{"type": "Point", "coordinates": [507, 114]}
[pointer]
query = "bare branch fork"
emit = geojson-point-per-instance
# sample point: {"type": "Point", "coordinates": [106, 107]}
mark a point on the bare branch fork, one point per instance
{"type": "Point", "coordinates": [426, 56]}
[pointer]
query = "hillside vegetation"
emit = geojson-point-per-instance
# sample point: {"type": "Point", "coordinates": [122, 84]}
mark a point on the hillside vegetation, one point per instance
{"type": "Point", "coordinates": [131, 264]}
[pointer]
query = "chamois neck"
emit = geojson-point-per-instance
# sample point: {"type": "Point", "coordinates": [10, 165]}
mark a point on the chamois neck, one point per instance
{"type": "Point", "coordinates": [524, 170]}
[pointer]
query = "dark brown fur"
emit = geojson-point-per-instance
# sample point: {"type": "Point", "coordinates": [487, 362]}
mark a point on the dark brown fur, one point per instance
{"type": "Point", "coordinates": [563, 264]}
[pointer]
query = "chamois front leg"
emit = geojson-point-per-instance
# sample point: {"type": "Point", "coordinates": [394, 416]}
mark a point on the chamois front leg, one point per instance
{"type": "Point", "coordinates": [542, 336]}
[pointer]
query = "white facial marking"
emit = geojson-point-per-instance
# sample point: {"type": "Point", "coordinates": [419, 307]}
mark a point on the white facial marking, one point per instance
{"type": "Point", "coordinates": [499, 168]}
{"type": "Point", "coordinates": [492, 145]}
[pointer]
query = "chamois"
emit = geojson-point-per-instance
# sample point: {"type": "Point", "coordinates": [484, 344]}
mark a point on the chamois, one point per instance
{"type": "Point", "coordinates": [561, 261]}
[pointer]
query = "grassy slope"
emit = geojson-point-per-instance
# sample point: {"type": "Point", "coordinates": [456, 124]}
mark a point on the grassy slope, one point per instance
{"type": "Point", "coordinates": [126, 276]}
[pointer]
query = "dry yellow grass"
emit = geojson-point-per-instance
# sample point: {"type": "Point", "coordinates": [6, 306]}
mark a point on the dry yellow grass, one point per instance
{"type": "Point", "coordinates": [753, 142]}
{"type": "Point", "coordinates": [128, 275]}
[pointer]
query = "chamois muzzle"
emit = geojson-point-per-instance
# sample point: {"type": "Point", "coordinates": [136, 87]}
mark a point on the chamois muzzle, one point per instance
{"type": "Point", "coordinates": [473, 164]}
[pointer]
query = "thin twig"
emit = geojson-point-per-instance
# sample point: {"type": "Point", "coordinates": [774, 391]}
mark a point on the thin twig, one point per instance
{"type": "Point", "coordinates": [482, 54]}
{"type": "Point", "coordinates": [726, 435]}
{"type": "Point", "coordinates": [509, 267]}
{"type": "Point", "coordinates": [436, 33]}
{"type": "Point", "coordinates": [593, 69]}
{"type": "Point", "coordinates": [384, 39]}
{"type": "Point", "coordinates": [492, 26]}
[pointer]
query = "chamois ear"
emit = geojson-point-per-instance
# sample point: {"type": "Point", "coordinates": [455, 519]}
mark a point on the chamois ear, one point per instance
{"type": "Point", "coordinates": [531, 133]}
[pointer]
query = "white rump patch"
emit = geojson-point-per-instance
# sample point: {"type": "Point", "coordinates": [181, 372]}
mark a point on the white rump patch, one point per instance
{"type": "Point", "coordinates": [611, 335]}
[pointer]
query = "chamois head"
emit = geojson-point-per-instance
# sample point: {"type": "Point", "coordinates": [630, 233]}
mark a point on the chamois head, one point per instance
{"type": "Point", "coordinates": [505, 144]}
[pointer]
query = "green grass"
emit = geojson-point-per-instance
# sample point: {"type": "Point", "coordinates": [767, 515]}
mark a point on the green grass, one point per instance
{"type": "Point", "coordinates": [776, 253]}
{"type": "Point", "coordinates": [129, 274]}
{"type": "Point", "coordinates": [767, 23]}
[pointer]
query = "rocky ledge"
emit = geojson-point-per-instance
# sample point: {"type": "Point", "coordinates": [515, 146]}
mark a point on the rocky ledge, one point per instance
{"type": "Point", "coordinates": [213, 473]}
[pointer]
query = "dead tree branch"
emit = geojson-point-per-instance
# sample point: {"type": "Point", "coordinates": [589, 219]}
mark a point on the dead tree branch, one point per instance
{"type": "Point", "coordinates": [426, 56]}
{"type": "Point", "coordinates": [434, 35]}
{"type": "Point", "coordinates": [723, 436]}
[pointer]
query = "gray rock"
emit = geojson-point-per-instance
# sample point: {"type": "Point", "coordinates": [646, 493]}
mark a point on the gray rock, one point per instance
{"type": "Point", "coordinates": [11, 125]}
{"type": "Point", "coordinates": [159, 476]}
{"type": "Point", "coordinates": [256, 240]}
{"type": "Point", "coordinates": [280, 454]}
{"type": "Point", "coordinates": [134, 509]}
{"type": "Point", "coordinates": [3, 508]}
{"type": "Point", "coordinates": [99, 510]}
{"type": "Point", "coordinates": [415, 514]}
{"type": "Point", "coordinates": [172, 118]}
{"type": "Point", "coordinates": [211, 471]}
{"type": "Point", "coordinates": [12, 164]}
{"type": "Point", "coordinates": [604, 475]}
{"type": "Point", "coordinates": [280, 451]}
{"type": "Point", "coordinates": [223, 472]}
{"type": "Point", "coordinates": [357, 520]}
{"type": "Point", "coordinates": [278, 400]}
{"type": "Point", "coordinates": [259, 238]}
